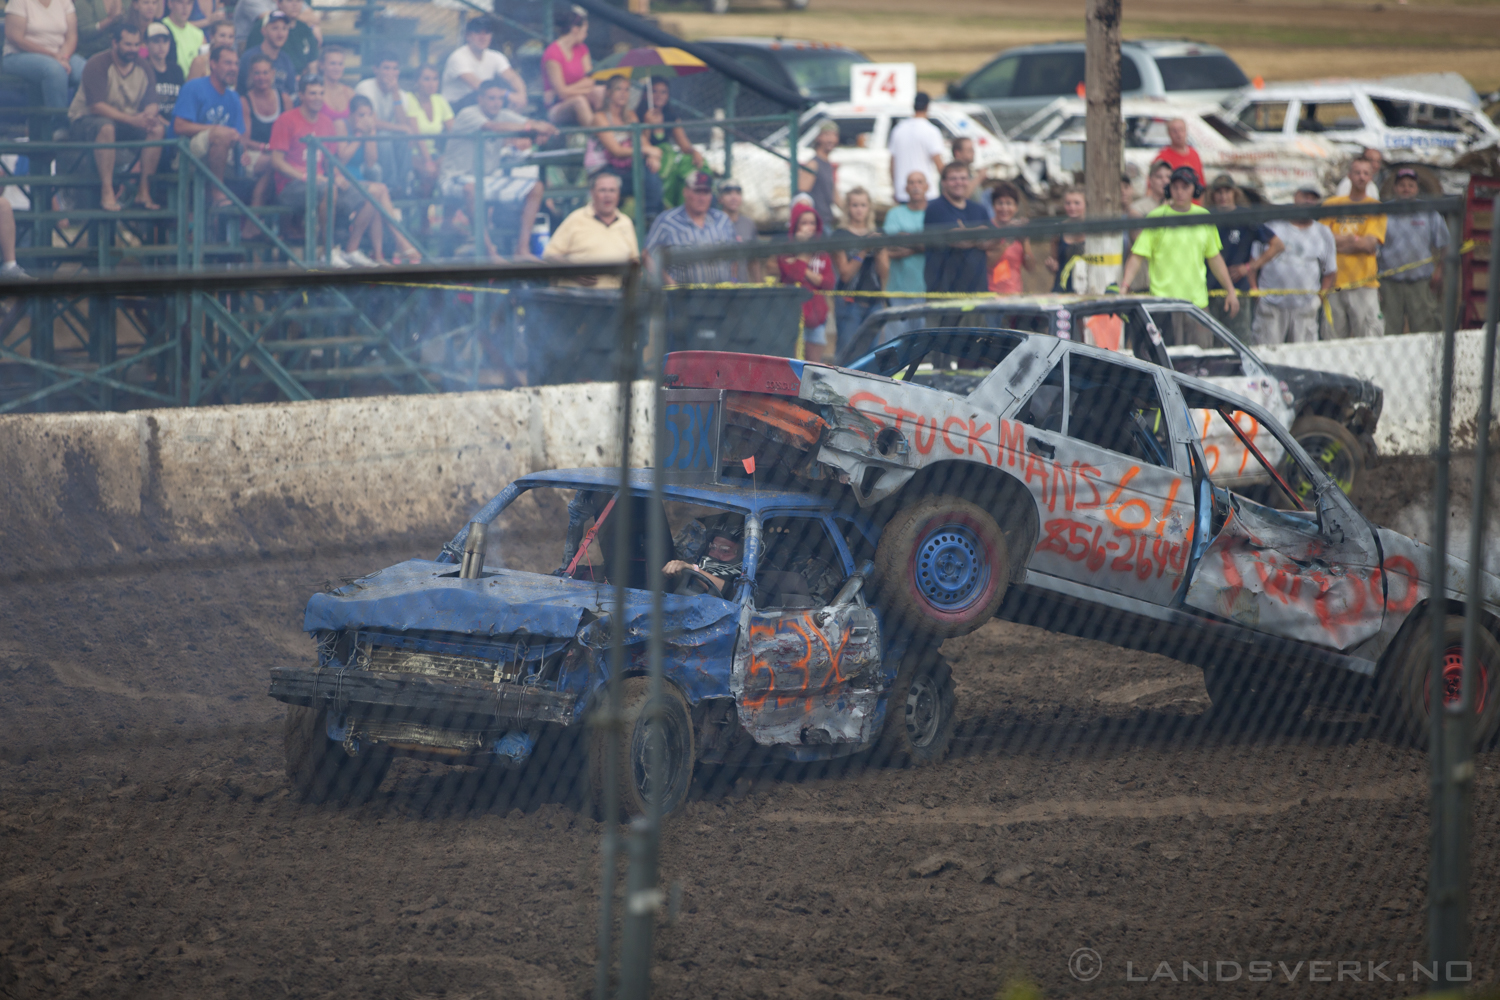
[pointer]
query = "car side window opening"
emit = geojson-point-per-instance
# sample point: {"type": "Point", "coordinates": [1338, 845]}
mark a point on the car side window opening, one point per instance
{"type": "Point", "coordinates": [1196, 347]}
{"type": "Point", "coordinates": [1432, 117]}
{"type": "Point", "coordinates": [1107, 405]}
{"type": "Point", "coordinates": [1201, 72]}
{"type": "Point", "coordinates": [800, 565]}
{"type": "Point", "coordinates": [1123, 331]}
{"type": "Point", "coordinates": [1181, 328]}
{"type": "Point", "coordinates": [852, 131]}
{"type": "Point", "coordinates": [954, 361]}
{"type": "Point", "coordinates": [995, 80]}
{"type": "Point", "coordinates": [1279, 488]}
{"type": "Point", "coordinates": [1049, 74]}
{"type": "Point", "coordinates": [1265, 116]}
{"type": "Point", "coordinates": [1329, 116]}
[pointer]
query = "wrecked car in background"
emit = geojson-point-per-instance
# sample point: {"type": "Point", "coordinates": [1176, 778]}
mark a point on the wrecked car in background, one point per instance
{"type": "Point", "coordinates": [1410, 126]}
{"type": "Point", "coordinates": [1016, 473]}
{"type": "Point", "coordinates": [1331, 415]}
{"type": "Point", "coordinates": [1051, 145]}
{"type": "Point", "coordinates": [487, 655]}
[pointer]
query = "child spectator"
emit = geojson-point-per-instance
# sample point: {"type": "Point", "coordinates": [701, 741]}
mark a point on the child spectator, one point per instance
{"type": "Point", "coordinates": [813, 271]}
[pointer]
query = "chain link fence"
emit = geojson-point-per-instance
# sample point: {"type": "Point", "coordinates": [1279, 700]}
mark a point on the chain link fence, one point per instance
{"type": "Point", "coordinates": [1032, 645]}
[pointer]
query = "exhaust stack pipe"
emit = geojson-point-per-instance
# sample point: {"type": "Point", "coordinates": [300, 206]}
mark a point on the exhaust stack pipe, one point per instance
{"type": "Point", "coordinates": [472, 567]}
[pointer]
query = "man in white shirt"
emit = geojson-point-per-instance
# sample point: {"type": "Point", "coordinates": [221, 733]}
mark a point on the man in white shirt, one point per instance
{"type": "Point", "coordinates": [474, 62]}
{"type": "Point", "coordinates": [1307, 264]}
{"type": "Point", "coordinates": [916, 144]}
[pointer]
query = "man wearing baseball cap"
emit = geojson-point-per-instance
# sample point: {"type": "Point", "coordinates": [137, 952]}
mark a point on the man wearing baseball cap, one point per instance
{"type": "Point", "coordinates": [694, 223]}
{"type": "Point", "coordinates": [274, 34]}
{"type": "Point", "coordinates": [1177, 255]}
{"type": "Point", "coordinates": [1409, 296]}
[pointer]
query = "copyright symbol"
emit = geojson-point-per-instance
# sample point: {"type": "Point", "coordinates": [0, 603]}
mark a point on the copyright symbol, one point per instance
{"type": "Point", "coordinates": [1085, 964]}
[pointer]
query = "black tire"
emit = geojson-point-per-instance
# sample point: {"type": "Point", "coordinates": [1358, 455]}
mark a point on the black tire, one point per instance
{"type": "Point", "coordinates": [1404, 689]}
{"type": "Point", "coordinates": [942, 567]}
{"type": "Point", "coordinates": [920, 715]}
{"type": "Point", "coordinates": [1334, 448]}
{"type": "Point", "coordinates": [632, 773]}
{"type": "Point", "coordinates": [319, 769]}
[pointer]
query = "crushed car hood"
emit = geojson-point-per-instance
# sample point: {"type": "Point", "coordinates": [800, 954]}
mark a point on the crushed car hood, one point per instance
{"type": "Point", "coordinates": [421, 594]}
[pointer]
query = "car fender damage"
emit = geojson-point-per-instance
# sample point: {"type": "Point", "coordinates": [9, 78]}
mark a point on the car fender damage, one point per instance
{"type": "Point", "coordinates": [1278, 580]}
{"type": "Point", "coordinates": [808, 676]}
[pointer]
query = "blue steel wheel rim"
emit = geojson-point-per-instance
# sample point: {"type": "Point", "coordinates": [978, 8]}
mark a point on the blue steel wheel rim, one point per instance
{"type": "Point", "coordinates": [949, 567]}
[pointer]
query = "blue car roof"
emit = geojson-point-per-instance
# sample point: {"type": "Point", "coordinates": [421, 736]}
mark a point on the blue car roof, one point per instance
{"type": "Point", "coordinates": [738, 494]}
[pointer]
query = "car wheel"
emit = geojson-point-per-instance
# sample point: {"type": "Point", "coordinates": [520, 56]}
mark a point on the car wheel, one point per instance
{"type": "Point", "coordinates": [943, 566]}
{"type": "Point", "coordinates": [1334, 448]}
{"type": "Point", "coordinates": [1406, 689]}
{"type": "Point", "coordinates": [633, 774]}
{"type": "Point", "coordinates": [319, 769]}
{"type": "Point", "coordinates": [920, 714]}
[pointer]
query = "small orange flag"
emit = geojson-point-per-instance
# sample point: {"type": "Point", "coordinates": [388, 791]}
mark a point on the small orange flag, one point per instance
{"type": "Point", "coordinates": [749, 464]}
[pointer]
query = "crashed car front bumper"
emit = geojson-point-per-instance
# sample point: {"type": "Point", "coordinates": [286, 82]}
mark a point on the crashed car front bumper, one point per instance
{"type": "Point", "coordinates": [423, 696]}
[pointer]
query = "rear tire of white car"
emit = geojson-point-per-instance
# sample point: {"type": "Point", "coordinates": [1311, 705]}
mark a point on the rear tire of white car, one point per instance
{"type": "Point", "coordinates": [942, 567]}
{"type": "Point", "coordinates": [1405, 687]}
{"type": "Point", "coordinates": [920, 714]}
{"type": "Point", "coordinates": [1334, 448]}
{"type": "Point", "coordinates": [319, 769]}
{"type": "Point", "coordinates": [632, 775]}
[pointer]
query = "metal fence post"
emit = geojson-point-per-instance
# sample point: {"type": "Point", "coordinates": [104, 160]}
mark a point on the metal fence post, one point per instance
{"type": "Point", "coordinates": [1447, 924]}
{"type": "Point", "coordinates": [642, 898]}
{"type": "Point", "coordinates": [609, 719]}
{"type": "Point", "coordinates": [638, 183]}
{"type": "Point", "coordinates": [793, 119]}
{"type": "Point", "coordinates": [477, 209]}
{"type": "Point", "coordinates": [310, 221]}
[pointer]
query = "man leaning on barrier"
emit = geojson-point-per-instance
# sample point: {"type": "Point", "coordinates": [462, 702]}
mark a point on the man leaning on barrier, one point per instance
{"type": "Point", "coordinates": [694, 223]}
{"type": "Point", "coordinates": [115, 103]}
{"type": "Point", "coordinates": [597, 233]}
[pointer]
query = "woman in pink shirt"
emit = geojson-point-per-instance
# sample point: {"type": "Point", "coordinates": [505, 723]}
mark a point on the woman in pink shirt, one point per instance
{"type": "Point", "coordinates": [571, 95]}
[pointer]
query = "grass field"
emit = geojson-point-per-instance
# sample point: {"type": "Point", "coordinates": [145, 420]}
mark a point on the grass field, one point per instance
{"type": "Point", "coordinates": [1276, 39]}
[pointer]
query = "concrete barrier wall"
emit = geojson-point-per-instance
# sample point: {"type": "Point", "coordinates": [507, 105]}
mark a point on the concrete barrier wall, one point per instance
{"type": "Point", "coordinates": [115, 488]}
{"type": "Point", "coordinates": [1406, 368]}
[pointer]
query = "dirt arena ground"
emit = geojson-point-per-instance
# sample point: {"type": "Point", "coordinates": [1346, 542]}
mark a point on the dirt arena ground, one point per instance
{"type": "Point", "coordinates": [152, 850]}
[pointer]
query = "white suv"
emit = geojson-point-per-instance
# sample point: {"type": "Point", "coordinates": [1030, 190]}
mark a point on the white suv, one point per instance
{"type": "Point", "coordinates": [1020, 82]}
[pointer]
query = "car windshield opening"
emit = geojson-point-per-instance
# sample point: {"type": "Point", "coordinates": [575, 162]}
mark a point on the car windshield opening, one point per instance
{"type": "Point", "coordinates": [952, 360]}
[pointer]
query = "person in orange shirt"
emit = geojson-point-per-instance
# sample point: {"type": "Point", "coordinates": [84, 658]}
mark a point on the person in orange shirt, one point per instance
{"type": "Point", "coordinates": [1178, 153]}
{"type": "Point", "coordinates": [1007, 258]}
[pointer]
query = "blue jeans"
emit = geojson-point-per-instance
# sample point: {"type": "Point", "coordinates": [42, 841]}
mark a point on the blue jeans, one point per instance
{"type": "Point", "coordinates": [851, 315]}
{"type": "Point", "coordinates": [46, 71]}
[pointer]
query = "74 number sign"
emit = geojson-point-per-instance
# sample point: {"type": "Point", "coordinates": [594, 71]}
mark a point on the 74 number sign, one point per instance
{"type": "Point", "coordinates": [883, 83]}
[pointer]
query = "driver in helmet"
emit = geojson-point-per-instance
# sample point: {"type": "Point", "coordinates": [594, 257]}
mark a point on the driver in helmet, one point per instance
{"type": "Point", "coordinates": [720, 566]}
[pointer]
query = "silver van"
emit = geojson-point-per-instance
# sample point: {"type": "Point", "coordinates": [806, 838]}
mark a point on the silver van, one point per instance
{"type": "Point", "coordinates": [1019, 82]}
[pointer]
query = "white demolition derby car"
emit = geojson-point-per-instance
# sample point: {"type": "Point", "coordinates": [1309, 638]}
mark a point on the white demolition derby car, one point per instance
{"type": "Point", "coordinates": [1408, 125]}
{"type": "Point", "coordinates": [1044, 479]}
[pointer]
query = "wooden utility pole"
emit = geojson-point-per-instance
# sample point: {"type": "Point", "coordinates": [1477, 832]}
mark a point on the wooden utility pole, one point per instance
{"type": "Point", "coordinates": [1104, 133]}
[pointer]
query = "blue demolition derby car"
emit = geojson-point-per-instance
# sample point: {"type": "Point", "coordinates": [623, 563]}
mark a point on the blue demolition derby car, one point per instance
{"type": "Point", "coordinates": [491, 653]}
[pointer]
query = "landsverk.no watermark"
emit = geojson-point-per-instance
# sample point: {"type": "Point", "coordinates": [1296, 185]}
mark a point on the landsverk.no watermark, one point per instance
{"type": "Point", "coordinates": [1086, 965]}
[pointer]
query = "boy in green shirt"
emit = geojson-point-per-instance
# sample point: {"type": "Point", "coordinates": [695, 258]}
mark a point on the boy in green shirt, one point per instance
{"type": "Point", "coordinates": [1177, 255]}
